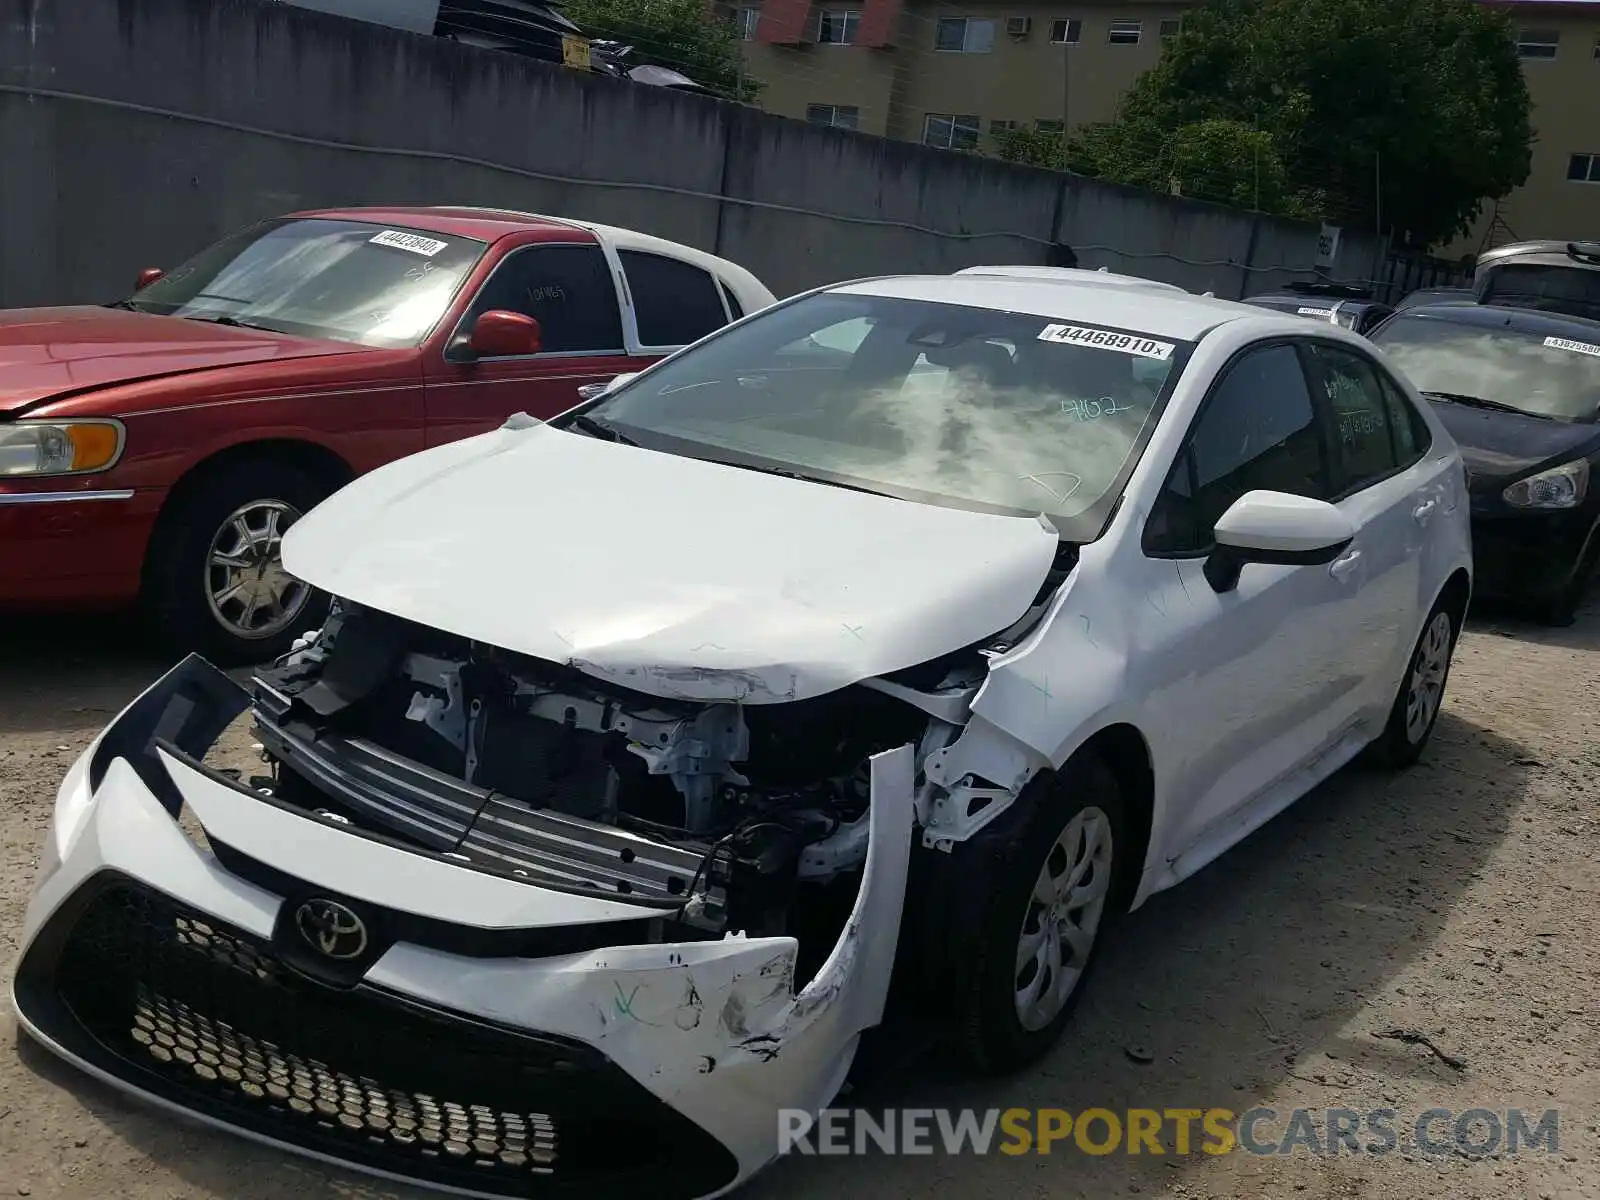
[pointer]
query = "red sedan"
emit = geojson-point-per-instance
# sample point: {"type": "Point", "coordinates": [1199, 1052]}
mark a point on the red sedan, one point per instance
{"type": "Point", "coordinates": [156, 449]}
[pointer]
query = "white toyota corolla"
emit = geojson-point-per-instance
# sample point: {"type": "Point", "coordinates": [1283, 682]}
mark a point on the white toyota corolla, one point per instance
{"type": "Point", "coordinates": [912, 627]}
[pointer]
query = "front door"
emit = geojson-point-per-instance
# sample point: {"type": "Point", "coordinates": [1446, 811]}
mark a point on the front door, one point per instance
{"type": "Point", "coordinates": [568, 289]}
{"type": "Point", "coordinates": [1253, 682]}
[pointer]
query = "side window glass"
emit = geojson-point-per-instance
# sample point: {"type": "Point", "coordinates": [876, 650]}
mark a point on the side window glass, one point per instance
{"type": "Point", "coordinates": [735, 309]}
{"type": "Point", "coordinates": [1257, 431]}
{"type": "Point", "coordinates": [675, 303]}
{"type": "Point", "coordinates": [567, 289]}
{"type": "Point", "coordinates": [1363, 444]}
{"type": "Point", "coordinates": [1411, 436]}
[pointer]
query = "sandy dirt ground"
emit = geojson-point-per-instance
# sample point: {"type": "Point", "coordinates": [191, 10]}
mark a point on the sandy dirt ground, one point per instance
{"type": "Point", "coordinates": [1457, 900]}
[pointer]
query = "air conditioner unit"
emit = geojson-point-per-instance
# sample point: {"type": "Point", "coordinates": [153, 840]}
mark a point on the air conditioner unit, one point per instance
{"type": "Point", "coordinates": [1019, 27]}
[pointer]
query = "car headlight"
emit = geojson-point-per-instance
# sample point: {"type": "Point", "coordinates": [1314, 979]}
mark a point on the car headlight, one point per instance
{"type": "Point", "coordinates": [33, 448]}
{"type": "Point", "coordinates": [1560, 487]}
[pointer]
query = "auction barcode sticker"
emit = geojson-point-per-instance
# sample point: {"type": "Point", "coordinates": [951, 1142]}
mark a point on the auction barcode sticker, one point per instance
{"type": "Point", "coordinates": [1106, 339]}
{"type": "Point", "coordinates": [414, 242]}
{"type": "Point", "coordinates": [1304, 311]}
{"type": "Point", "coordinates": [1556, 343]}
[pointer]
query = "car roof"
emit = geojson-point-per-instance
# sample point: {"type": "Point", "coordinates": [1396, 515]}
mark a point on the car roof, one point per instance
{"type": "Point", "coordinates": [488, 224]}
{"type": "Point", "coordinates": [1101, 277]}
{"type": "Point", "coordinates": [1158, 311]}
{"type": "Point", "coordinates": [1312, 300]}
{"type": "Point", "coordinates": [485, 224]}
{"type": "Point", "coordinates": [1578, 255]}
{"type": "Point", "coordinates": [1525, 320]}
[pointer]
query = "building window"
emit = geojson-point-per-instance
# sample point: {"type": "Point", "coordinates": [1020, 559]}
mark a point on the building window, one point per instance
{"type": "Point", "coordinates": [1584, 168]}
{"type": "Point", "coordinates": [745, 21]}
{"type": "Point", "coordinates": [1537, 43]}
{"type": "Point", "coordinates": [1047, 126]}
{"type": "Point", "coordinates": [1066, 32]}
{"type": "Point", "coordinates": [837, 26]}
{"type": "Point", "coordinates": [1597, 49]}
{"type": "Point", "coordinates": [964, 35]}
{"type": "Point", "coordinates": [1171, 29]}
{"type": "Point", "coordinates": [1125, 33]}
{"type": "Point", "coordinates": [949, 132]}
{"type": "Point", "coordinates": [840, 116]}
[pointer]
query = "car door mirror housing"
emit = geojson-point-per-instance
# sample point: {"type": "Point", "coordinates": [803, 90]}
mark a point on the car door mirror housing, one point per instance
{"type": "Point", "coordinates": [148, 276]}
{"type": "Point", "coordinates": [1276, 528]}
{"type": "Point", "coordinates": [500, 334]}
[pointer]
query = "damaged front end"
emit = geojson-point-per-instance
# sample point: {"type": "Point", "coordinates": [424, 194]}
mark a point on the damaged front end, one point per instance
{"type": "Point", "coordinates": [484, 920]}
{"type": "Point", "coordinates": [717, 817]}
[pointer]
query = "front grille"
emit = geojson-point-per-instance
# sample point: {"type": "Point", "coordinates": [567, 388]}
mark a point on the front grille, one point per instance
{"type": "Point", "coordinates": [210, 1018]}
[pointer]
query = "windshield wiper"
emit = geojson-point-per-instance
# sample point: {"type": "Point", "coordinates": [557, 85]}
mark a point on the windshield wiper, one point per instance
{"type": "Point", "coordinates": [595, 427]}
{"type": "Point", "coordinates": [129, 305]}
{"type": "Point", "coordinates": [788, 473]}
{"type": "Point", "coordinates": [232, 322]}
{"type": "Point", "coordinates": [1480, 402]}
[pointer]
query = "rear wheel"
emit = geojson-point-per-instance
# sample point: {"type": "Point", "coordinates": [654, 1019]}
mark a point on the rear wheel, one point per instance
{"type": "Point", "coordinates": [215, 582]}
{"type": "Point", "coordinates": [1416, 707]}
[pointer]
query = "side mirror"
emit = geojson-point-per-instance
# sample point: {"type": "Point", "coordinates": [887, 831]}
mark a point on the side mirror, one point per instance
{"type": "Point", "coordinates": [148, 276]}
{"type": "Point", "coordinates": [500, 334]}
{"type": "Point", "coordinates": [592, 391]}
{"type": "Point", "coordinates": [1275, 528]}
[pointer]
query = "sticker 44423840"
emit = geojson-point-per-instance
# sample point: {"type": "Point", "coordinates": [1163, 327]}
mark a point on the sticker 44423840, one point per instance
{"type": "Point", "coordinates": [1106, 339]}
{"type": "Point", "coordinates": [414, 242]}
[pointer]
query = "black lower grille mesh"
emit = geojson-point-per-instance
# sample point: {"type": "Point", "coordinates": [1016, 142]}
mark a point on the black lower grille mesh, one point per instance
{"type": "Point", "coordinates": [210, 1018]}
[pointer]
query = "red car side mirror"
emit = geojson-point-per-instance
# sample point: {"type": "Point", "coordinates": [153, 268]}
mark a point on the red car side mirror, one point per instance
{"type": "Point", "coordinates": [148, 276]}
{"type": "Point", "coordinates": [500, 334]}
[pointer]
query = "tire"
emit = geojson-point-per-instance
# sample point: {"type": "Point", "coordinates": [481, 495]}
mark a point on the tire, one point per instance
{"type": "Point", "coordinates": [186, 582]}
{"type": "Point", "coordinates": [1421, 694]}
{"type": "Point", "coordinates": [1561, 609]}
{"type": "Point", "coordinates": [992, 1033]}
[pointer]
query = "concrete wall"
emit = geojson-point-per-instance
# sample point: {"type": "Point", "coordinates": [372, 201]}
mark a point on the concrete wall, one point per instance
{"type": "Point", "coordinates": [134, 131]}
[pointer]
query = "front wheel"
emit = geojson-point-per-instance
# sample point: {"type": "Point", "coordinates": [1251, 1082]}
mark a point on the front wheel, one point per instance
{"type": "Point", "coordinates": [1063, 876]}
{"type": "Point", "coordinates": [1561, 608]}
{"type": "Point", "coordinates": [1421, 696]}
{"type": "Point", "coordinates": [215, 582]}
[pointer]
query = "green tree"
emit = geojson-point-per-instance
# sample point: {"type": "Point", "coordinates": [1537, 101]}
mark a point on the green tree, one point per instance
{"type": "Point", "coordinates": [1403, 115]}
{"type": "Point", "coordinates": [685, 35]}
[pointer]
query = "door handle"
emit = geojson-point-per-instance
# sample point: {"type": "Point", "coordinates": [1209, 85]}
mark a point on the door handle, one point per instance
{"type": "Point", "coordinates": [1424, 510]}
{"type": "Point", "coordinates": [1343, 566]}
{"type": "Point", "coordinates": [589, 391]}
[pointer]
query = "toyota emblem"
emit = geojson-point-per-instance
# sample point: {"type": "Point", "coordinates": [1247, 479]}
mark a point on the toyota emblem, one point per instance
{"type": "Point", "coordinates": [331, 929]}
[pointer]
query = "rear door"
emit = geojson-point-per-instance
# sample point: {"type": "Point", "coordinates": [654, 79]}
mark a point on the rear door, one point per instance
{"type": "Point", "coordinates": [568, 287]}
{"type": "Point", "coordinates": [1380, 482]}
{"type": "Point", "coordinates": [674, 302]}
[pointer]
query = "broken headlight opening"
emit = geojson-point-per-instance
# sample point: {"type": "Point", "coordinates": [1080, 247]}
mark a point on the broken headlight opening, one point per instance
{"type": "Point", "coordinates": [722, 817]}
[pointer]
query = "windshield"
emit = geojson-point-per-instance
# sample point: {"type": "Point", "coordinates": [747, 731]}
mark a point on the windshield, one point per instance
{"type": "Point", "coordinates": [1532, 372]}
{"type": "Point", "coordinates": [347, 280]}
{"type": "Point", "coordinates": [969, 407]}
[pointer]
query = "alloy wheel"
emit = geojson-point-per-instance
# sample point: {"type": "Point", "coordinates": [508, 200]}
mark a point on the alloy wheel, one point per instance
{"type": "Point", "coordinates": [1064, 913]}
{"type": "Point", "coordinates": [248, 591]}
{"type": "Point", "coordinates": [1425, 686]}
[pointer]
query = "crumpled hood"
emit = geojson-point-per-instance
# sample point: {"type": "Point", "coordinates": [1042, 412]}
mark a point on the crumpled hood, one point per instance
{"type": "Point", "coordinates": [668, 575]}
{"type": "Point", "coordinates": [47, 353]}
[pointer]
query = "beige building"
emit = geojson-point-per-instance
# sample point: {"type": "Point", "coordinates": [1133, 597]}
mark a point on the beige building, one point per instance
{"type": "Point", "coordinates": [949, 73]}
